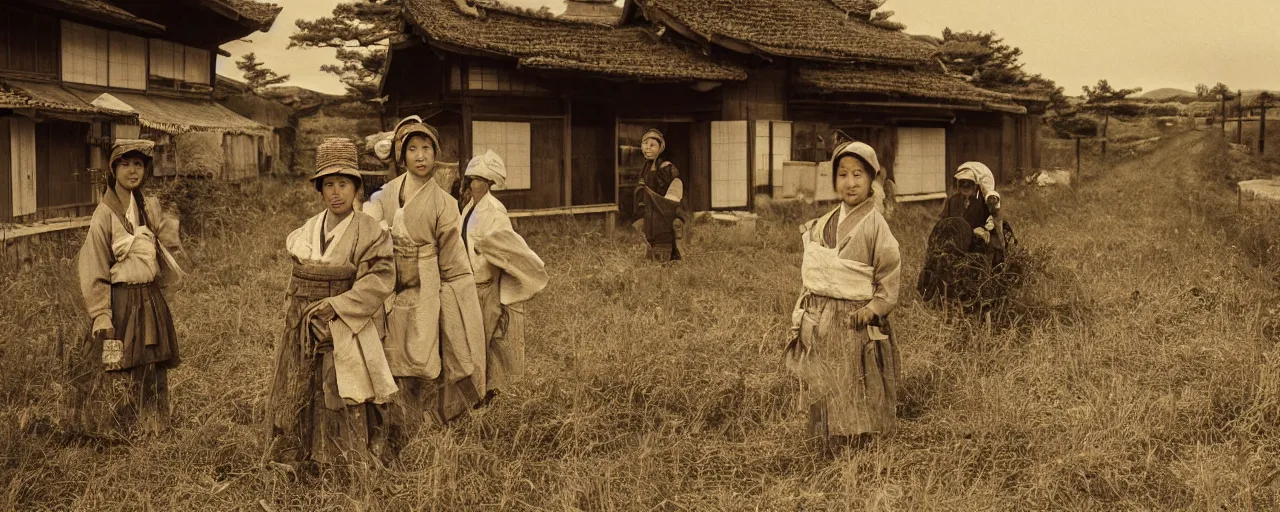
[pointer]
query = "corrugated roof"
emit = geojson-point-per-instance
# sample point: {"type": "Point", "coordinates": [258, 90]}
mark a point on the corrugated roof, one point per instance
{"type": "Point", "coordinates": [629, 52]}
{"type": "Point", "coordinates": [99, 10]}
{"type": "Point", "coordinates": [899, 83]}
{"type": "Point", "coordinates": [180, 115]}
{"type": "Point", "coordinates": [806, 29]}
{"type": "Point", "coordinates": [19, 94]}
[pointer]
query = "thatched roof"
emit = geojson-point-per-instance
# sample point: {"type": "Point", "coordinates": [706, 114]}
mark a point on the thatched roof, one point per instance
{"type": "Point", "coordinates": [175, 115]}
{"type": "Point", "coordinates": [900, 83]}
{"type": "Point", "coordinates": [805, 29]}
{"type": "Point", "coordinates": [629, 52]}
{"type": "Point", "coordinates": [251, 13]}
{"type": "Point", "coordinates": [100, 10]}
{"type": "Point", "coordinates": [46, 97]}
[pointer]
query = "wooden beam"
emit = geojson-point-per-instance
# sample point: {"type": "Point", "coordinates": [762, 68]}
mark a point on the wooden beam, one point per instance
{"type": "Point", "coordinates": [568, 152]}
{"type": "Point", "coordinates": [889, 104]}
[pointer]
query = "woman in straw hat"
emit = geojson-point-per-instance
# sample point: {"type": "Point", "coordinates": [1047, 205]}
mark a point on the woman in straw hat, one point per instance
{"type": "Point", "coordinates": [507, 272]}
{"type": "Point", "coordinates": [842, 347]}
{"type": "Point", "coordinates": [435, 332]}
{"type": "Point", "coordinates": [661, 191]}
{"type": "Point", "coordinates": [120, 373]}
{"type": "Point", "coordinates": [331, 374]}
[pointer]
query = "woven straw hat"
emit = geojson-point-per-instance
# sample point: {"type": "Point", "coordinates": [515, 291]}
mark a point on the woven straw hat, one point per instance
{"type": "Point", "coordinates": [123, 146]}
{"type": "Point", "coordinates": [409, 127]}
{"type": "Point", "coordinates": [338, 156]}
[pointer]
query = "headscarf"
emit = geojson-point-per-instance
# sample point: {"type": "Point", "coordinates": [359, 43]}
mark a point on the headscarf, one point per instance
{"type": "Point", "coordinates": [867, 156]}
{"type": "Point", "coordinates": [488, 166]}
{"type": "Point", "coordinates": [654, 134]}
{"type": "Point", "coordinates": [122, 147]}
{"type": "Point", "coordinates": [978, 172]}
{"type": "Point", "coordinates": [336, 156]}
{"type": "Point", "coordinates": [407, 128]}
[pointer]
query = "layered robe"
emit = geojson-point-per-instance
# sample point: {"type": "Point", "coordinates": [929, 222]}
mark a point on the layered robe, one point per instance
{"type": "Point", "coordinates": [507, 273]}
{"type": "Point", "coordinates": [120, 371]}
{"type": "Point", "coordinates": [331, 374]}
{"type": "Point", "coordinates": [662, 193]}
{"type": "Point", "coordinates": [851, 376]}
{"type": "Point", "coordinates": [435, 330]}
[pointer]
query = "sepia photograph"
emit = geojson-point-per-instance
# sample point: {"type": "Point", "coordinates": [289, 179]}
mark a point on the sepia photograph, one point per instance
{"type": "Point", "coordinates": [639, 255]}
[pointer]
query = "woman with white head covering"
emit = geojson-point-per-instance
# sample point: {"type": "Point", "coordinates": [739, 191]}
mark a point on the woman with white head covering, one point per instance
{"type": "Point", "coordinates": [975, 200]}
{"type": "Point", "coordinates": [331, 375]}
{"type": "Point", "coordinates": [435, 332]}
{"type": "Point", "coordinates": [126, 268]}
{"type": "Point", "coordinates": [507, 272]}
{"type": "Point", "coordinates": [661, 190]}
{"type": "Point", "coordinates": [841, 345]}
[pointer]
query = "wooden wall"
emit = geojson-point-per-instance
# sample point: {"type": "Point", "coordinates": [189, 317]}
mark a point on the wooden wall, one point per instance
{"type": "Point", "coordinates": [698, 181]}
{"type": "Point", "coordinates": [29, 41]}
{"type": "Point", "coordinates": [976, 138]}
{"type": "Point", "coordinates": [6, 163]}
{"type": "Point", "coordinates": [240, 156]}
{"type": "Point", "coordinates": [593, 146]}
{"type": "Point", "coordinates": [62, 154]}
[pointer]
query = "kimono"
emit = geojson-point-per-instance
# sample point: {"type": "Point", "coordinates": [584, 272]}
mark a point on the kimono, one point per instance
{"type": "Point", "coordinates": [852, 376]}
{"type": "Point", "coordinates": [661, 211]}
{"type": "Point", "coordinates": [507, 274]}
{"type": "Point", "coordinates": [125, 266]}
{"type": "Point", "coordinates": [331, 376]}
{"type": "Point", "coordinates": [435, 332]}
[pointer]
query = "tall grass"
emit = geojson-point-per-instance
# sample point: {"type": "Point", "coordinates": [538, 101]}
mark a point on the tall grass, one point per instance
{"type": "Point", "coordinates": [1149, 382]}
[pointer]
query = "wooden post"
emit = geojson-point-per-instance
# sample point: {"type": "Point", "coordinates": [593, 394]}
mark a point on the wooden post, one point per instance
{"type": "Point", "coordinates": [610, 220]}
{"type": "Point", "coordinates": [1223, 114]}
{"type": "Point", "coordinates": [1106, 122]}
{"type": "Point", "coordinates": [1077, 162]}
{"type": "Point", "coordinates": [1262, 130]}
{"type": "Point", "coordinates": [568, 152]}
{"type": "Point", "coordinates": [1239, 118]}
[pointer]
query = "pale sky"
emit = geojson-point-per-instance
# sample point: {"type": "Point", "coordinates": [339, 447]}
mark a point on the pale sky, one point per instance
{"type": "Point", "coordinates": [1131, 43]}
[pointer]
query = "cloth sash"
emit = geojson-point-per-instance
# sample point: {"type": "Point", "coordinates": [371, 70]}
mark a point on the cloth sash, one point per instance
{"type": "Point", "coordinates": [823, 272]}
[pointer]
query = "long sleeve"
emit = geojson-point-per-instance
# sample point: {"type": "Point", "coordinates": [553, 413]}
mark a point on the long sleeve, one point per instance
{"type": "Point", "coordinates": [94, 267]}
{"type": "Point", "coordinates": [375, 277]}
{"type": "Point", "coordinates": [167, 225]}
{"type": "Point", "coordinates": [507, 250]}
{"type": "Point", "coordinates": [887, 261]}
{"type": "Point", "coordinates": [454, 263]}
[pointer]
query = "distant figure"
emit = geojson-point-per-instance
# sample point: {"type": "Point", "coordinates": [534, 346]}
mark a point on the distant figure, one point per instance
{"type": "Point", "coordinates": [660, 193]}
{"type": "Point", "coordinates": [435, 332]}
{"type": "Point", "coordinates": [120, 371]}
{"type": "Point", "coordinates": [331, 375]}
{"type": "Point", "coordinates": [841, 345]}
{"type": "Point", "coordinates": [977, 202]}
{"type": "Point", "coordinates": [507, 272]}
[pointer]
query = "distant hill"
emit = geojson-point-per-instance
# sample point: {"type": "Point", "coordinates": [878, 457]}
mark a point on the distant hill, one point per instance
{"type": "Point", "coordinates": [1166, 93]}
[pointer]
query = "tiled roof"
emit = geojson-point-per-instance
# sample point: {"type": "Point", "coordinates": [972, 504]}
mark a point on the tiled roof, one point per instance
{"type": "Point", "coordinates": [805, 29]}
{"type": "Point", "coordinates": [630, 52]}
{"type": "Point", "coordinates": [897, 83]}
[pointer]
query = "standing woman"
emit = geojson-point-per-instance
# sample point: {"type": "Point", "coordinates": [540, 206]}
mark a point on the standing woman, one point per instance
{"type": "Point", "coordinates": [435, 332]}
{"type": "Point", "coordinates": [662, 191]}
{"type": "Point", "coordinates": [842, 347]}
{"type": "Point", "coordinates": [507, 272]}
{"type": "Point", "coordinates": [331, 374]}
{"type": "Point", "coordinates": [120, 374]}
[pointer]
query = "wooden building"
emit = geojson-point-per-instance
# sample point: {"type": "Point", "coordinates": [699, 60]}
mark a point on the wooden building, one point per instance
{"type": "Point", "coordinates": [739, 93]}
{"type": "Point", "coordinates": [77, 74]}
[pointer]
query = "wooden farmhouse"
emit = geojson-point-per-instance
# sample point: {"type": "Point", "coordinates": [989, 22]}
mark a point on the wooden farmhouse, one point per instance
{"type": "Point", "coordinates": [748, 97]}
{"type": "Point", "coordinates": [76, 74]}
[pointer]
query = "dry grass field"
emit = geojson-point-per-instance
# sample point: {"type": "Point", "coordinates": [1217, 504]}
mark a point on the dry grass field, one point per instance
{"type": "Point", "coordinates": [1143, 372]}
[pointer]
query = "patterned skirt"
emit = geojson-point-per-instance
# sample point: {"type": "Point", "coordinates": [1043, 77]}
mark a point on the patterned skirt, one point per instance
{"type": "Point", "coordinates": [130, 396]}
{"type": "Point", "coordinates": [852, 381]}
